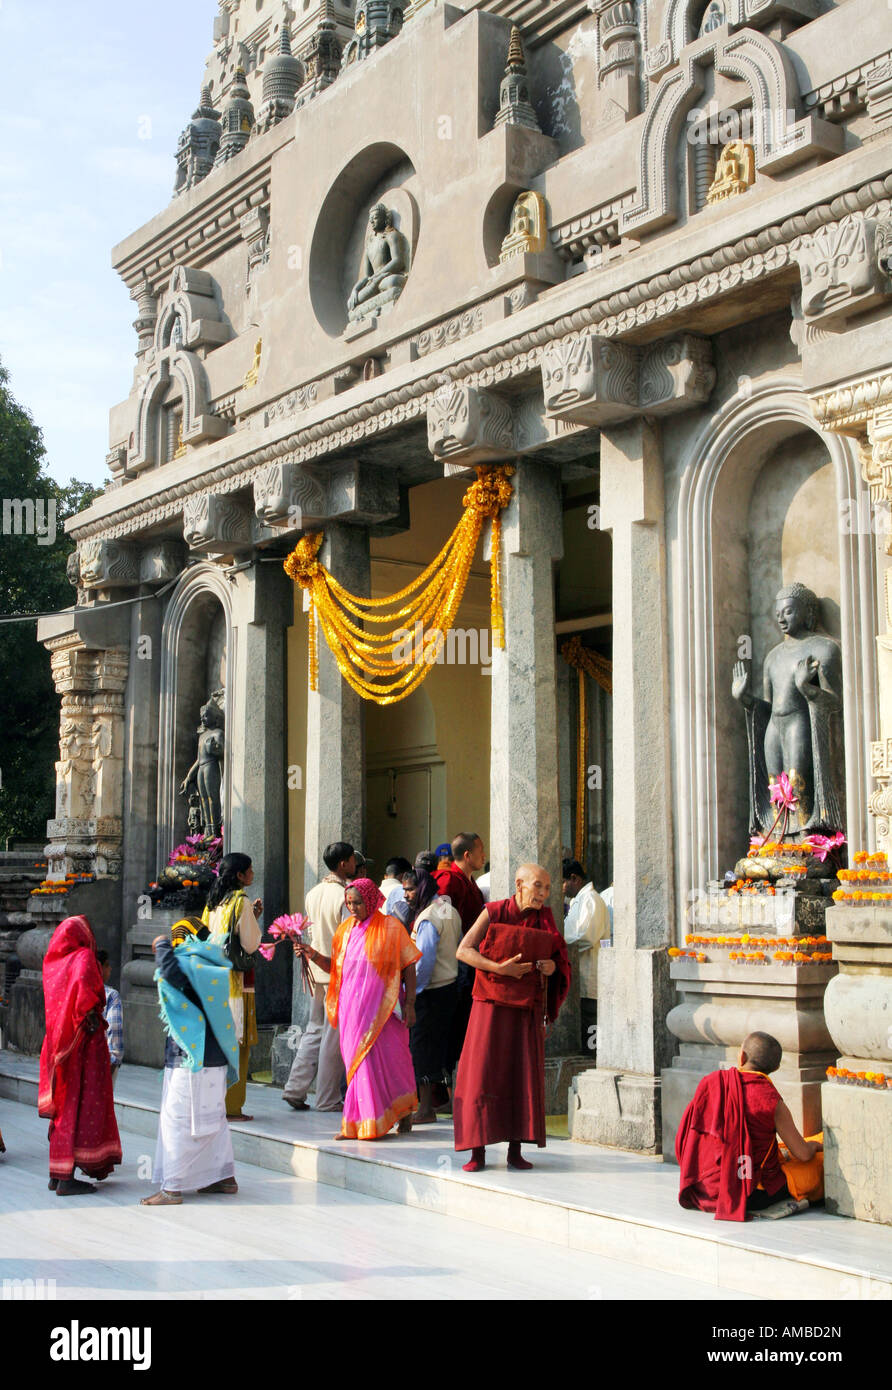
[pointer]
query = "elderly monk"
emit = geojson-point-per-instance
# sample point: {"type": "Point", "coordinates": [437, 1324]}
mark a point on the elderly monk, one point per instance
{"type": "Point", "coordinates": [522, 979]}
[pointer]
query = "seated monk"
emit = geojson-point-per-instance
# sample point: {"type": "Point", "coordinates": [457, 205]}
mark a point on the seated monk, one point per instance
{"type": "Point", "coordinates": [727, 1143]}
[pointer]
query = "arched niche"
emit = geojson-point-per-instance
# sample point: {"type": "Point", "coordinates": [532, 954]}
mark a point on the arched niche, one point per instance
{"type": "Point", "coordinates": [761, 502]}
{"type": "Point", "coordinates": [197, 657]}
{"type": "Point", "coordinates": [380, 173]}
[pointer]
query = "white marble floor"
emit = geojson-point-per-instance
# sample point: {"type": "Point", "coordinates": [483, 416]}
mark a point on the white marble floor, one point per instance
{"type": "Point", "coordinates": [281, 1238]}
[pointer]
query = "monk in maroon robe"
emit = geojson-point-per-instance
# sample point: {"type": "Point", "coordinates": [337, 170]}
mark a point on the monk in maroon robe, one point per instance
{"type": "Point", "coordinates": [522, 978]}
{"type": "Point", "coordinates": [727, 1146]}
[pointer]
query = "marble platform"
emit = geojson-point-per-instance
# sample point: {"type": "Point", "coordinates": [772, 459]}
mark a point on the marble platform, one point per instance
{"type": "Point", "coordinates": [609, 1203]}
{"type": "Point", "coordinates": [282, 1238]}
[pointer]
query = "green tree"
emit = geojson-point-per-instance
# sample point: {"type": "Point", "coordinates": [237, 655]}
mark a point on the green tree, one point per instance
{"type": "Point", "coordinates": [33, 579]}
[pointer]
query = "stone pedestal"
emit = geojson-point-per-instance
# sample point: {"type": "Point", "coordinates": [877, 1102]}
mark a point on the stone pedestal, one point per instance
{"type": "Point", "coordinates": [619, 1102]}
{"type": "Point", "coordinates": [25, 1023]}
{"type": "Point", "coordinates": [719, 1004]}
{"type": "Point", "coordinates": [143, 1030]}
{"type": "Point", "coordinates": [858, 1119]}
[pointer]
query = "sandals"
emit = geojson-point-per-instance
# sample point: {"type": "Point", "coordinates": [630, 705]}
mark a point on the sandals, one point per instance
{"type": "Point", "coordinates": [162, 1199]}
{"type": "Point", "coordinates": [227, 1185]}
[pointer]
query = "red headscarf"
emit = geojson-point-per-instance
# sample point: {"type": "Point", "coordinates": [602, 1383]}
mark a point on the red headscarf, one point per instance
{"type": "Point", "coordinates": [370, 893]}
{"type": "Point", "coordinates": [72, 987]}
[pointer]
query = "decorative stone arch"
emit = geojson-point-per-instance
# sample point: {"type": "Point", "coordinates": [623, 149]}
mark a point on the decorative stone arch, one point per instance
{"type": "Point", "coordinates": [779, 406]}
{"type": "Point", "coordinates": [677, 28]}
{"type": "Point", "coordinates": [193, 599]}
{"type": "Point", "coordinates": [765, 68]}
{"type": "Point", "coordinates": [187, 371]}
{"type": "Point", "coordinates": [192, 299]}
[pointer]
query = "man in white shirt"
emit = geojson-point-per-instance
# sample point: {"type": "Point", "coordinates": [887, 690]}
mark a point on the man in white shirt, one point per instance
{"type": "Point", "coordinates": [392, 882]}
{"type": "Point", "coordinates": [586, 923]}
{"type": "Point", "coordinates": [319, 1050]}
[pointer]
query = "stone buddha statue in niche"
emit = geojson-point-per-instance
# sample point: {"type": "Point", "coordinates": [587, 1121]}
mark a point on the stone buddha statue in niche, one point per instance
{"type": "Point", "coordinates": [205, 776]}
{"type": "Point", "coordinates": [384, 269]}
{"type": "Point", "coordinates": [797, 726]}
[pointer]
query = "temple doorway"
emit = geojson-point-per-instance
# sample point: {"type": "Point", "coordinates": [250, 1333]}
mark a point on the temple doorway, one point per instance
{"type": "Point", "coordinates": [428, 756]}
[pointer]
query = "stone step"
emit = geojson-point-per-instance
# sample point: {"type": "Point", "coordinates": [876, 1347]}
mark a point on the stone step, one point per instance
{"type": "Point", "coordinates": [612, 1203]}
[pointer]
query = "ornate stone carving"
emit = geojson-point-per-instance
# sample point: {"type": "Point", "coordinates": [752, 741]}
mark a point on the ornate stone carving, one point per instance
{"type": "Point", "coordinates": [116, 462]}
{"type": "Point", "coordinates": [878, 94]}
{"type": "Point", "coordinates": [86, 835]}
{"type": "Point", "coordinates": [449, 331]}
{"type": "Point", "coordinates": [147, 315]}
{"type": "Point", "coordinates": [779, 139]}
{"type": "Point", "coordinates": [375, 24]}
{"type": "Point", "coordinates": [384, 269]}
{"type": "Point", "coordinates": [255, 232]}
{"type": "Point", "coordinates": [469, 425]}
{"type": "Point", "coordinates": [514, 93]}
{"type": "Point", "coordinates": [292, 404]}
{"type": "Point", "coordinates": [160, 563]}
{"type": "Point", "coordinates": [590, 380]}
{"type": "Point", "coordinates": [198, 145]}
{"type": "Point", "coordinates": [597, 381]}
{"type": "Point", "coordinates": [285, 494]}
{"type": "Point", "coordinates": [108, 564]}
{"type": "Point", "coordinates": [215, 522]}
{"type": "Point", "coordinates": [618, 66]}
{"type": "Point", "coordinates": [282, 76]}
{"type": "Point", "coordinates": [238, 119]}
{"type": "Point", "coordinates": [321, 57]}
{"type": "Point", "coordinates": [844, 270]}
{"type": "Point", "coordinates": [735, 172]}
{"type": "Point", "coordinates": [528, 231]}
{"type": "Point", "coordinates": [675, 373]}
{"type": "Point", "coordinates": [799, 732]}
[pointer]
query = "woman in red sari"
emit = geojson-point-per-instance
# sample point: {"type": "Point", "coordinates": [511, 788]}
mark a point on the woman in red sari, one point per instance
{"type": "Point", "coordinates": [75, 1092]}
{"type": "Point", "coordinates": [371, 957]}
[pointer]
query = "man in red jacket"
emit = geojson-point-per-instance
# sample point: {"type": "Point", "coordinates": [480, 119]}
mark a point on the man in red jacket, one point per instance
{"type": "Point", "coordinates": [457, 882]}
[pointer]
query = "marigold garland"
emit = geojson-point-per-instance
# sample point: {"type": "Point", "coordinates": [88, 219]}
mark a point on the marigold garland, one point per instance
{"type": "Point", "coordinates": [367, 660]}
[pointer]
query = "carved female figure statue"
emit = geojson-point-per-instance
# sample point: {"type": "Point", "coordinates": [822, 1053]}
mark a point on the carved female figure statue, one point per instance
{"type": "Point", "coordinates": [796, 727]}
{"type": "Point", "coordinates": [205, 774]}
{"type": "Point", "coordinates": [385, 265]}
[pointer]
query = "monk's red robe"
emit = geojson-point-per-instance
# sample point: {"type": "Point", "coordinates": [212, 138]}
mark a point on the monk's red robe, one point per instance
{"type": "Point", "coordinates": [726, 1146]}
{"type": "Point", "coordinates": [500, 1084]}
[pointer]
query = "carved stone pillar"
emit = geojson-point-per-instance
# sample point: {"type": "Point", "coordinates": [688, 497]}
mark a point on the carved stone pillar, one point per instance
{"type": "Point", "coordinates": [618, 66]}
{"type": "Point", "coordinates": [335, 771]}
{"type": "Point", "coordinates": [262, 610]}
{"type": "Point", "coordinates": [86, 834]}
{"type": "Point", "coordinates": [619, 1102]}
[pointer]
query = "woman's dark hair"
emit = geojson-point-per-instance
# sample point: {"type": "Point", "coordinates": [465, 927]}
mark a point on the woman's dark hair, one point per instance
{"type": "Point", "coordinates": [226, 883]}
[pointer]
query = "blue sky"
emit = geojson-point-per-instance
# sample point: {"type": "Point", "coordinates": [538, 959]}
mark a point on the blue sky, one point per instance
{"type": "Point", "coordinates": [94, 96]}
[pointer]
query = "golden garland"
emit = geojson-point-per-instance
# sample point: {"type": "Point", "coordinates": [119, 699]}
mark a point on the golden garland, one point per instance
{"type": "Point", "coordinates": [432, 600]}
{"type": "Point", "coordinates": [585, 663]}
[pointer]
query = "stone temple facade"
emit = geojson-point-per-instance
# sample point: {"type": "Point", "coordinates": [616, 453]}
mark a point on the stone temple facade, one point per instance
{"type": "Point", "coordinates": [640, 249]}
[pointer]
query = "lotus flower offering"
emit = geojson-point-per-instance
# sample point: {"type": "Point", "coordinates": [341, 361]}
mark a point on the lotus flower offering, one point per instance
{"type": "Point", "coordinates": [291, 927]}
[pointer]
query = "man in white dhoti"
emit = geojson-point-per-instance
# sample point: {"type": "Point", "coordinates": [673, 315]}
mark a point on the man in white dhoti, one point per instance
{"type": "Point", "coordinates": [194, 1152]}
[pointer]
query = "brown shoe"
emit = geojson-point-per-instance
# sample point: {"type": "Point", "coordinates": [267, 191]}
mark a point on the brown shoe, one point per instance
{"type": "Point", "coordinates": [227, 1185]}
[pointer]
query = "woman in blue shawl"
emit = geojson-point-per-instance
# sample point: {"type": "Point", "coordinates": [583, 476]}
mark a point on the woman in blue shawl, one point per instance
{"type": "Point", "coordinates": [194, 1150]}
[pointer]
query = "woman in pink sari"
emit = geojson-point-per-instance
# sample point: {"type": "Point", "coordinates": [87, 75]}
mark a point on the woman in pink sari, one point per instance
{"type": "Point", "coordinates": [371, 957]}
{"type": "Point", "coordinates": [75, 1090]}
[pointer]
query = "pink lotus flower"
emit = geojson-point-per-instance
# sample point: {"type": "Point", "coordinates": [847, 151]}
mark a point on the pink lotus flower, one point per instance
{"type": "Point", "coordinates": [782, 794]}
{"type": "Point", "coordinates": [821, 845]}
{"type": "Point", "coordinates": [289, 927]}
